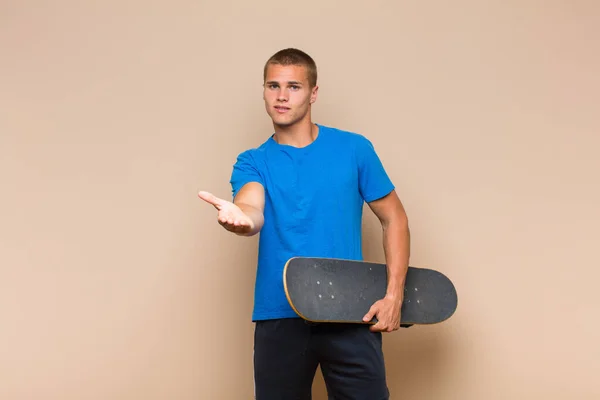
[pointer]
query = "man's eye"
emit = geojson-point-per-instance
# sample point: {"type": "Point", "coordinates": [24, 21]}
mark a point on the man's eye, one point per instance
{"type": "Point", "coordinates": [295, 87]}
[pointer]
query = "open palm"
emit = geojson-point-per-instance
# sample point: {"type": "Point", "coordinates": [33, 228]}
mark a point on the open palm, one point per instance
{"type": "Point", "coordinates": [230, 216]}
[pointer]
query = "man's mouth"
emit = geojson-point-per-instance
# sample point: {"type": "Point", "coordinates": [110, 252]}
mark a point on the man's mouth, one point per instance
{"type": "Point", "coordinates": [281, 109]}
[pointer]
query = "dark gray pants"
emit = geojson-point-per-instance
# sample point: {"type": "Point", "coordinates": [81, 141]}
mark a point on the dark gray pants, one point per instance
{"type": "Point", "coordinates": [287, 353]}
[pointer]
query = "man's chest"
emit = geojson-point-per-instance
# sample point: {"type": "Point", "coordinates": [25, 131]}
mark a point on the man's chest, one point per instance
{"type": "Point", "coordinates": [311, 176]}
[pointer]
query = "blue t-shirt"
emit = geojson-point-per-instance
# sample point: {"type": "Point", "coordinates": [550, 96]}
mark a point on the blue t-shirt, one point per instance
{"type": "Point", "coordinates": [314, 199]}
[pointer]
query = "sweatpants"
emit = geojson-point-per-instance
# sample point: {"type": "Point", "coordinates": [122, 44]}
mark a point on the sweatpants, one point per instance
{"type": "Point", "coordinates": [287, 353]}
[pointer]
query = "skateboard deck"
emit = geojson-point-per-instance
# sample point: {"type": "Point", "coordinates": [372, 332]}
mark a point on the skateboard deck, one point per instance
{"type": "Point", "coordinates": [343, 291]}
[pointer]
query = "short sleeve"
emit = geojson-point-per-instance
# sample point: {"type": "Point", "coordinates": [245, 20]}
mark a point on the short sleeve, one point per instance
{"type": "Point", "coordinates": [244, 171]}
{"type": "Point", "coordinates": [374, 182]}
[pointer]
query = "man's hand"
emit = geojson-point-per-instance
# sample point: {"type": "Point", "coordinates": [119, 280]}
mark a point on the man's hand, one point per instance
{"type": "Point", "coordinates": [387, 311]}
{"type": "Point", "coordinates": [230, 216]}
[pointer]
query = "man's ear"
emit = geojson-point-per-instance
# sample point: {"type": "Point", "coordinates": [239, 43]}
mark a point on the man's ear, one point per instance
{"type": "Point", "coordinates": [313, 96]}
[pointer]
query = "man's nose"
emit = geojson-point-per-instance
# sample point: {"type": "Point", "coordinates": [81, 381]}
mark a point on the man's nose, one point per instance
{"type": "Point", "coordinates": [282, 95]}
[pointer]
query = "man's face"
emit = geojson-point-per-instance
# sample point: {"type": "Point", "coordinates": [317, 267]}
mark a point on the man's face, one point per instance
{"type": "Point", "coordinates": [287, 94]}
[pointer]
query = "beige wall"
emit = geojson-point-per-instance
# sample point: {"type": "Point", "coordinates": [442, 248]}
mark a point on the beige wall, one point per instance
{"type": "Point", "coordinates": [117, 283]}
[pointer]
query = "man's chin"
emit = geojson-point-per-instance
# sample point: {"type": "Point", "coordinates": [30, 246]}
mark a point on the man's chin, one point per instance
{"type": "Point", "coordinates": [283, 122]}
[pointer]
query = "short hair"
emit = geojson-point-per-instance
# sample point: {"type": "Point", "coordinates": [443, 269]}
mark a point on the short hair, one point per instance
{"type": "Point", "coordinates": [291, 56]}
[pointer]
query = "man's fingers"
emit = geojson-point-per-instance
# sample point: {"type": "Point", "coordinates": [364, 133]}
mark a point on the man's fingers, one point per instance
{"type": "Point", "coordinates": [226, 220]}
{"type": "Point", "coordinates": [233, 221]}
{"type": "Point", "coordinates": [369, 316]}
{"type": "Point", "coordinates": [240, 222]}
{"type": "Point", "coordinates": [210, 198]}
{"type": "Point", "coordinates": [381, 326]}
{"type": "Point", "coordinates": [232, 224]}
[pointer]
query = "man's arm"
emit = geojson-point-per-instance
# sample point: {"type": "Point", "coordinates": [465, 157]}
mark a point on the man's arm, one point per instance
{"type": "Point", "coordinates": [251, 201]}
{"type": "Point", "coordinates": [396, 241]}
{"type": "Point", "coordinates": [396, 245]}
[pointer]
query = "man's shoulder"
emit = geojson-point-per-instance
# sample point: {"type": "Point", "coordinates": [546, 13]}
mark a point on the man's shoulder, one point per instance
{"type": "Point", "coordinates": [254, 153]}
{"type": "Point", "coordinates": [340, 136]}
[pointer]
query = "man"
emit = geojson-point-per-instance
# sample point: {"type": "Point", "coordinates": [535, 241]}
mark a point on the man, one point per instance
{"type": "Point", "coordinates": [303, 189]}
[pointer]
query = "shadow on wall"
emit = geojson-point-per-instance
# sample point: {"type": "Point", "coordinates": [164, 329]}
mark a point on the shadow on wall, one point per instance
{"type": "Point", "coordinates": [417, 359]}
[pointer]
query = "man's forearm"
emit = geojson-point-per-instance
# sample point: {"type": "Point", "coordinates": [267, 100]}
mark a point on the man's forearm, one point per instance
{"type": "Point", "coordinates": [396, 245]}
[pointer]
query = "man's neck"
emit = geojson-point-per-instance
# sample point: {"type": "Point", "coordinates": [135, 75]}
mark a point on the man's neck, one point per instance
{"type": "Point", "coordinates": [297, 135]}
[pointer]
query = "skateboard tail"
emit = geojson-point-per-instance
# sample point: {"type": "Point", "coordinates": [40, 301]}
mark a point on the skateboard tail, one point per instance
{"type": "Point", "coordinates": [287, 291]}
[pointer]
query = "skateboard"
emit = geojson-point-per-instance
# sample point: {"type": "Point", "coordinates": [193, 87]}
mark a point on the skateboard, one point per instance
{"type": "Point", "coordinates": [335, 290]}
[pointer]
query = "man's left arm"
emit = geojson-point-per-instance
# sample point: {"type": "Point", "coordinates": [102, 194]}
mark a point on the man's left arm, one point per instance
{"type": "Point", "coordinates": [396, 244]}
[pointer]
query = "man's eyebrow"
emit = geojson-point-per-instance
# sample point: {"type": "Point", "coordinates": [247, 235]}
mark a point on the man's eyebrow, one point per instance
{"type": "Point", "coordinates": [289, 83]}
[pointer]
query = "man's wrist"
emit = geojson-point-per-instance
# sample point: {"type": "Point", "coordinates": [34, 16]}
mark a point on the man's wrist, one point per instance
{"type": "Point", "coordinates": [395, 290]}
{"type": "Point", "coordinates": [396, 297]}
{"type": "Point", "coordinates": [255, 215]}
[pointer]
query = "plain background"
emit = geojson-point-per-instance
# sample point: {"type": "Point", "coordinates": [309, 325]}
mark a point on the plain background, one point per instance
{"type": "Point", "coordinates": [116, 281]}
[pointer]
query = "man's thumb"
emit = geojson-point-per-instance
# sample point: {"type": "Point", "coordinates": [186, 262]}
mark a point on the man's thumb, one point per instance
{"type": "Point", "coordinates": [209, 198]}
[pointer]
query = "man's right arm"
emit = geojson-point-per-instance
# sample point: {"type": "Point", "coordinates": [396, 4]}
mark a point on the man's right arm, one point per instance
{"type": "Point", "coordinates": [251, 200]}
{"type": "Point", "coordinates": [244, 214]}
